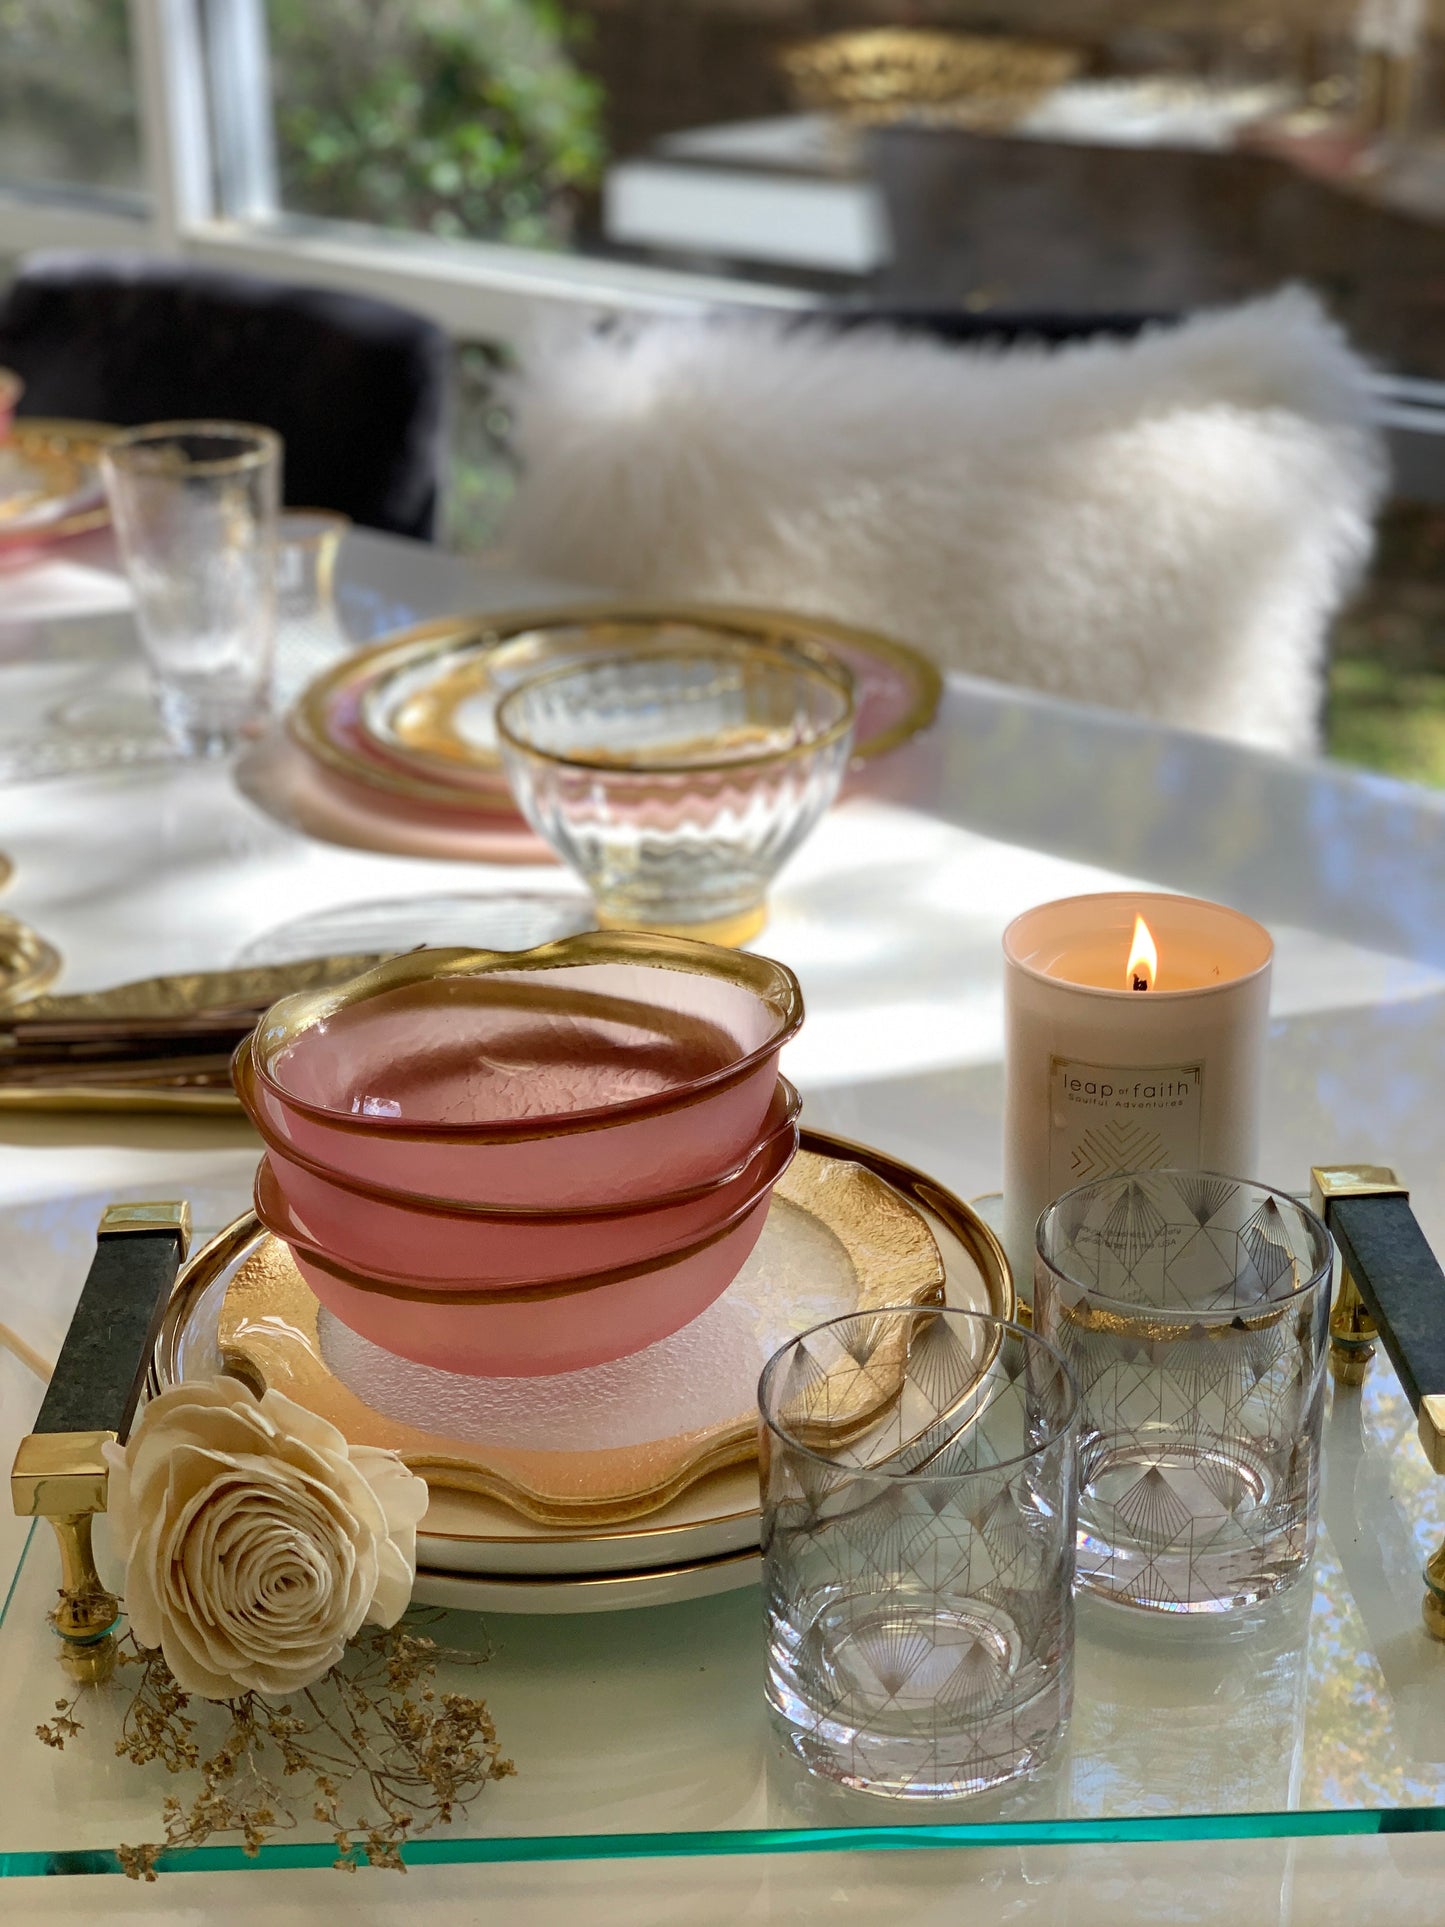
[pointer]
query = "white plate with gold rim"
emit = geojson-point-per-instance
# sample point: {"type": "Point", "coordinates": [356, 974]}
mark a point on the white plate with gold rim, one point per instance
{"type": "Point", "coordinates": [602, 1593]}
{"type": "Point", "coordinates": [505, 1562]}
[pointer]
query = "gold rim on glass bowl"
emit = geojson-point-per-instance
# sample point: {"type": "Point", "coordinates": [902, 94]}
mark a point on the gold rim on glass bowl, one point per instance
{"type": "Point", "coordinates": [279, 1222]}
{"type": "Point", "coordinates": [789, 1101]}
{"type": "Point", "coordinates": [773, 984]}
{"type": "Point", "coordinates": [824, 669]}
{"type": "Point", "coordinates": [309, 719]}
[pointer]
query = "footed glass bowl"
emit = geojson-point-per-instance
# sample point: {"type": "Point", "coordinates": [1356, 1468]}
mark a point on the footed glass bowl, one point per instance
{"type": "Point", "coordinates": [677, 781]}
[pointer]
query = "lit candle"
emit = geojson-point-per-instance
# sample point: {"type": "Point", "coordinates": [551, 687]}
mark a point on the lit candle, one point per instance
{"type": "Point", "coordinates": [1134, 1038]}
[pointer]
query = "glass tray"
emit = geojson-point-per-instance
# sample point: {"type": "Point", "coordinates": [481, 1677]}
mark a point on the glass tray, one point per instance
{"type": "Point", "coordinates": [644, 1733]}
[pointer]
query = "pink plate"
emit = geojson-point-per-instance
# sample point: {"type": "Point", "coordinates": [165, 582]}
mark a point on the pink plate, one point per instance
{"type": "Point", "coordinates": [553, 1330]}
{"type": "Point", "coordinates": [401, 1241]}
{"type": "Point", "coordinates": [281, 779]}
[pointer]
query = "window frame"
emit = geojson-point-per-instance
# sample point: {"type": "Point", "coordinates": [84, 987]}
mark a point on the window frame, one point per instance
{"type": "Point", "coordinates": [212, 197]}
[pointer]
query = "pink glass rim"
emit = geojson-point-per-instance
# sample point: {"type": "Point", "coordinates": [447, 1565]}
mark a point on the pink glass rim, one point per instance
{"type": "Point", "coordinates": [275, 1215]}
{"type": "Point", "coordinates": [777, 989]}
{"type": "Point", "coordinates": [783, 1111]}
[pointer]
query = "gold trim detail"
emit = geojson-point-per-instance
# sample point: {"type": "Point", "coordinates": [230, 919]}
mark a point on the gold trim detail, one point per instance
{"type": "Point", "coordinates": [1432, 1429]}
{"type": "Point", "coordinates": [28, 964]}
{"type": "Point", "coordinates": [268, 1334]}
{"type": "Point", "coordinates": [197, 993]}
{"type": "Point", "coordinates": [127, 1100]}
{"type": "Point", "coordinates": [1352, 1330]}
{"type": "Point", "coordinates": [308, 721]}
{"type": "Point", "coordinates": [67, 445]}
{"type": "Point", "coordinates": [824, 667]}
{"type": "Point", "coordinates": [129, 1220]}
{"type": "Point", "coordinates": [59, 1474]}
{"type": "Point", "coordinates": [592, 1585]}
{"type": "Point", "coordinates": [1328, 1181]}
{"type": "Point", "coordinates": [128, 447]}
{"type": "Point", "coordinates": [773, 984]}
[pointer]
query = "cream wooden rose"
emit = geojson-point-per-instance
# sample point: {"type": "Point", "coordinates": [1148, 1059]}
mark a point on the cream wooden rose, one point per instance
{"type": "Point", "coordinates": [256, 1540]}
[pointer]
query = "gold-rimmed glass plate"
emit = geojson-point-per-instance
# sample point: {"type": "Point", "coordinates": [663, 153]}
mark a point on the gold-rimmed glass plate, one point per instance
{"type": "Point", "coordinates": [611, 1443]}
{"type": "Point", "coordinates": [715, 1516]}
{"type": "Point", "coordinates": [50, 484]}
{"type": "Point", "coordinates": [413, 714]}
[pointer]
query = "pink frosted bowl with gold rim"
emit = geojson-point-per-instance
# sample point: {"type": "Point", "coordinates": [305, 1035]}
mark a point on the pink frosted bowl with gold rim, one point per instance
{"type": "Point", "coordinates": [546, 1328]}
{"type": "Point", "coordinates": [608, 1067]}
{"type": "Point", "coordinates": [432, 1243]}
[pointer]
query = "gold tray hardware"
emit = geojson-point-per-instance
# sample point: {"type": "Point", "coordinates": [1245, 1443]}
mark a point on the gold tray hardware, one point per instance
{"type": "Point", "coordinates": [59, 1472]}
{"type": "Point", "coordinates": [1353, 1332]}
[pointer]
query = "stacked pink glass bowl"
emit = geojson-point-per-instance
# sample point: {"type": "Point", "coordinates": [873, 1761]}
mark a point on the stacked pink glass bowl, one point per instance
{"type": "Point", "coordinates": [518, 1163]}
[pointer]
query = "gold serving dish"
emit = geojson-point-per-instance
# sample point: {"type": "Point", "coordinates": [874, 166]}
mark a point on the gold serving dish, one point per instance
{"type": "Point", "coordinates": [895, 73]}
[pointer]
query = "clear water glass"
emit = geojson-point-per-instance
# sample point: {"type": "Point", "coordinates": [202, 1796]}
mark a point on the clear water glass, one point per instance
{"type": "Point", "coordinates": [194, 506]}
{"type": "Point", "coordinates": [677, 781]}
{"type": "Point", "coordinates": [918, 1550]}
{"type": "Point", "coordinates": [1194, 1311]}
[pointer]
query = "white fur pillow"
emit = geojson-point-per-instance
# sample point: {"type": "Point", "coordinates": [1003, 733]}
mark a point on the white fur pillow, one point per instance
{"type": "Point", "coordinates": [1165, 525]}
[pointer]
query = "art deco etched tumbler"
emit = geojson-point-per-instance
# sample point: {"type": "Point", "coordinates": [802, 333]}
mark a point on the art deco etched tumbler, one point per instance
{"type": "Point", "coordinates": [918, 1532]}
{"type": "Point", "coordinates": [1194, 1311]}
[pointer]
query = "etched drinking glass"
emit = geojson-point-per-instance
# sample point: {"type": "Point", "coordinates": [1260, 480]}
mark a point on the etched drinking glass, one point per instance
{"type": "Point", "coordinates": [918, 1549]}
{"type": "Point", "coordinates": [195, 506]}
{"type": "Point", "coordinates": [1194, 1311]}
{"type": "Point", "coordinates": [677, 781]}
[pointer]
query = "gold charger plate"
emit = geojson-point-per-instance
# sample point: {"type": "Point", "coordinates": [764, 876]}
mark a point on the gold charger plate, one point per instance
{"type": "Point", "coordinates": [522, 1562]}
{"type": "Point", "coordinates": [412, 744]}
{"type": "Point", "coordinates": [837, 1238]}
{"type": "Point", "coordinates": [62, 493]}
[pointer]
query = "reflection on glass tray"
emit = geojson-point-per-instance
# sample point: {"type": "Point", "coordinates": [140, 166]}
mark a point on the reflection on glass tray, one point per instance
{"type": "Point", "coordinates": [631, 1730]}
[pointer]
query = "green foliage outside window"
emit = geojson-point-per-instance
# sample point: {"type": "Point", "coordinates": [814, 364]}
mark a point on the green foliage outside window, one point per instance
{"type": "Point", "coordinates": [453, 117]}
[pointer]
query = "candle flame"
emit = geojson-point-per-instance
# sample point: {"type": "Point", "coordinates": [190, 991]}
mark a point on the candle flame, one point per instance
{"type": "Point", "coordinates": [1142, 971]}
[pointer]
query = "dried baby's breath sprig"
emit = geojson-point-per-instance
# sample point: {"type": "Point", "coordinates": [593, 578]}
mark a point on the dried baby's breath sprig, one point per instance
{"type": "Point", "coordinates": [375, 1724]}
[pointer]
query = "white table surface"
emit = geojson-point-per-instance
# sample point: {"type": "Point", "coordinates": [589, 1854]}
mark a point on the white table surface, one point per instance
{"type": "Point", "coordinates": [891, 916]}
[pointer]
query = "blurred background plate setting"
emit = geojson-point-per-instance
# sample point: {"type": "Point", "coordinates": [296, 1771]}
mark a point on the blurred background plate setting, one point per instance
{"type": "Point", "coordinates": [413, 715]}
{"type": "Point", "coordinates": [50, 480]}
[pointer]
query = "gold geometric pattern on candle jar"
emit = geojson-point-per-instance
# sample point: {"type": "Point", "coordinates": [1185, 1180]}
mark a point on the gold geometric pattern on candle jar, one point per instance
{"type": "Point", "coordinates": [1193, 1310]}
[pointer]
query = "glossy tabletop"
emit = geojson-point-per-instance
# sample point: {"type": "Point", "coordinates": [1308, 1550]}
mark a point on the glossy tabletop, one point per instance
{"type": "Point", "coordinates": [892, 917]}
